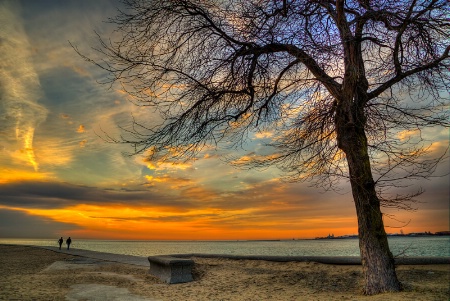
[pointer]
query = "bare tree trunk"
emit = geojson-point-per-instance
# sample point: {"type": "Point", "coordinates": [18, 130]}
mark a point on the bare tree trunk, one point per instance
{"type": "Point", "coordinates": [377, 260]}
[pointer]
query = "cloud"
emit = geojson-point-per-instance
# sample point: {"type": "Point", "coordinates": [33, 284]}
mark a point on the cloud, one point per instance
{"type": "Point", "coordinates": [169, 181]}
{"type": "Point", "coordinates": [9, 175]}
{"type": "Point", "coordinates": [253, 158]}
{"type": "Point", "coordinates": [50, 195]}
{"type": "Point", "coordinates": [18, 224]}
{"type": "Point", "coordinates": [408, 134]}
{"type": "Point", "coordinates": [264, 134]}
{"type": "Point", "coordinates": [20, 113]}
{"type": "Point", "coordinates": [265, 199]}
{"type": "Point", "coordinates": [53, 151]}
{"type": "Point", "coordinates": [81, 129]}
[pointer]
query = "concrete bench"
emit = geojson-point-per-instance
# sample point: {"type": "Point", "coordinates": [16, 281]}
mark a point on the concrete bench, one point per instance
{"type": "Point", "coordinates": [171, 269]}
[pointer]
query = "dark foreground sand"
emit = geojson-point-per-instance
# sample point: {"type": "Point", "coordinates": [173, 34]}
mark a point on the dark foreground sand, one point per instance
{"type": "Point", "coordinates": [29, 273]}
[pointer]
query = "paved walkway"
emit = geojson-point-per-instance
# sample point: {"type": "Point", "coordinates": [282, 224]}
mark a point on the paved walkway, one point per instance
{"type": "Point", "coordinates": [339, 260]}
{"type": "Point", "coordinates": [128, 259]}
{"type": "Point", "coordinates": [342, 260]}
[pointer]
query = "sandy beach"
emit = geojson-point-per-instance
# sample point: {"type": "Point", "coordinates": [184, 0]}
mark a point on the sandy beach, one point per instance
{"type": "Point", "coordinates": [31, 273]}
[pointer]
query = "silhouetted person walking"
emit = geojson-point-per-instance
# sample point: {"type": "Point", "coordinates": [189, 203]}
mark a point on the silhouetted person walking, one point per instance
{"type": "Point", "coordinates": [60, 241]}
{"type": "Point", "coordinates": [68, 242]}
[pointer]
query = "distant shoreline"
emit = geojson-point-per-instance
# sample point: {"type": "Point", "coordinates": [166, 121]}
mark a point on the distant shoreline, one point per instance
{"type": "Point", "coordinates": [413, 234]}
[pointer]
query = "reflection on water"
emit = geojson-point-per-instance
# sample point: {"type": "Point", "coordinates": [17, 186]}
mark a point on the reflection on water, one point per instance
{"type": "Point", "coordinates": [406, 246]}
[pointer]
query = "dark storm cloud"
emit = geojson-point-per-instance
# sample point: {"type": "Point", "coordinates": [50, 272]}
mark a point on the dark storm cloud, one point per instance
{"type": "Point", "coordinates": [46, 195]}
{"type": "Point", "coordinates": [17, 224]}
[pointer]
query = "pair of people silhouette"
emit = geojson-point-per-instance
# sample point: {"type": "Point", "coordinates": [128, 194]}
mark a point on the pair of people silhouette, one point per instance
{"type": "Point", "coordinates": [68, 242]}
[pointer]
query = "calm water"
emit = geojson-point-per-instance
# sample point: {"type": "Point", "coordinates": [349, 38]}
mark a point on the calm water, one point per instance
{"type": "Point", "coordinates": [410, 246]}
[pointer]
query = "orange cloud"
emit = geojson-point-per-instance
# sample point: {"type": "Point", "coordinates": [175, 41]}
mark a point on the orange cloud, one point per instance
{"type": "Point", "coordinates": [264, 134]}
{"type": "Point", "coordinates": [52, 152]}
{"type": "Point", "coordinates": [280, 219]}
{"type": "Point", "coordinates": [81, 129]}
{"type": "Point", "coordinates": [23, 152]}
{"type": "Point", "coordinates": [248, 159]}
{"type": "Point", "coordinates": [151, 179]}
{"type": "Point", "coordinates": [16, 175]}
{"type": "Point", "coordinates": [408, 134]}
{"type": "Point", "coordinates": [168, 166]}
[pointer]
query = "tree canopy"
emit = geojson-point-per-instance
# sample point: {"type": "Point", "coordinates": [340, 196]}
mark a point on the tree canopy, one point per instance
{"type": "Point", "coordinates": [218, 69]}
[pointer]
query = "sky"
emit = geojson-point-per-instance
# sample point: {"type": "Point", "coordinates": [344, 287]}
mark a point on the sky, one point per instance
{"type": "Point", "coordinates": [59, 177]}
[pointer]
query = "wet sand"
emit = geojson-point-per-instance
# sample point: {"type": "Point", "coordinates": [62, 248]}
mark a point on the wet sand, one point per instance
{"type": "Point", "coordinates": [31, 273]}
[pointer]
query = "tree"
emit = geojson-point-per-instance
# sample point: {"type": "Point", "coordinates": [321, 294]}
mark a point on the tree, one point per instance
{"type": "Point", "coordinates": [337, 81]}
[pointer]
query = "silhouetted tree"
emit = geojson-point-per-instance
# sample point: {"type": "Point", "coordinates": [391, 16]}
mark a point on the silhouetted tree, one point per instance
{"type": "Point", "coordinates": [336, 80]}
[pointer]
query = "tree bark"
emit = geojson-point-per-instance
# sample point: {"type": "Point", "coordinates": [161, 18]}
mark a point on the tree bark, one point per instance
{"type": "Point", "coordinates": [377, 260]}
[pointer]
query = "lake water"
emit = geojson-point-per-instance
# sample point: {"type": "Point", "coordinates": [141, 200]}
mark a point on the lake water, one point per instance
{"type": "Point", "coordinates": [433, 246]}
